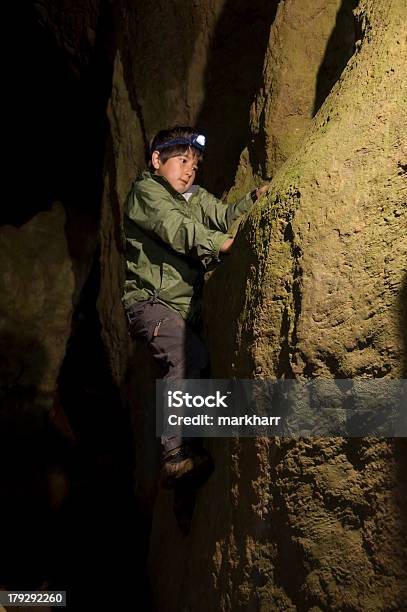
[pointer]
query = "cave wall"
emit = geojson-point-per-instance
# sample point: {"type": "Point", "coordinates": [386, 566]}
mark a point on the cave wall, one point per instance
{"type": "Point", "coordinates": [64, 443]}
{"type": "Point", "coordinates": [308, 48]}
{"type": "Point", "coordinates": [315, 281]}
{"type": "Point", "coordinates": [315, 285]}
{"type": "Point", "coordinates": [37, 286]}
{"type": "Point", "coordinates": [49, 228]}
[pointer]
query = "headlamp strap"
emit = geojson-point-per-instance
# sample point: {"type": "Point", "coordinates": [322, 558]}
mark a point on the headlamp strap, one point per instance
{"type": "Point", "coordinates": [196, 140]}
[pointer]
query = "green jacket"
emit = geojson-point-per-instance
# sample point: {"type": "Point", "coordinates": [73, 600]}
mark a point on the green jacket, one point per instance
{"type": "Point", "coordinates": [170, 241]}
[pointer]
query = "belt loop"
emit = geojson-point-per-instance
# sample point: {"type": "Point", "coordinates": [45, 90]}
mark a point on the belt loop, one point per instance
{"type": "Point", "coordinates": [153, 298]}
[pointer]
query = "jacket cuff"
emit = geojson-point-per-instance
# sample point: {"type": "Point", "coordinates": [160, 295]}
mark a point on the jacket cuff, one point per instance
{"type": "Point", "coordinates": [218, 240]}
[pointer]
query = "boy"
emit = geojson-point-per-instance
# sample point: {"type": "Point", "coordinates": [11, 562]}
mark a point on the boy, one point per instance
{"type": "Point", "coordinates": [174, 230]}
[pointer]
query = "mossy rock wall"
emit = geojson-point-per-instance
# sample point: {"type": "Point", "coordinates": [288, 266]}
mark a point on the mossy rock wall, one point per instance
{"type": "Point", "coordinates": [315, 287]}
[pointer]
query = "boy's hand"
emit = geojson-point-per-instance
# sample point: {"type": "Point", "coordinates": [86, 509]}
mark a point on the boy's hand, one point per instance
{"type": "Point", "coordinates": [225, 248]}
{"type": "Point", "coordinates": [261, 190]}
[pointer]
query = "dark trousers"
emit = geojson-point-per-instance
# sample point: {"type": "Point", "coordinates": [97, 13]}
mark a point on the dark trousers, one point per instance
{"type": "Point", "coordinates": [173, 344]}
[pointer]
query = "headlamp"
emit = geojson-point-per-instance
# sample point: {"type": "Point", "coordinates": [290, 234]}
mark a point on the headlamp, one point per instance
{"type": "Point", "coordinates": [196, 140]}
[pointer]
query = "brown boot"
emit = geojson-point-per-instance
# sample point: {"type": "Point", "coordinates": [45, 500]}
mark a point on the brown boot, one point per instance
{"type": "Point", "coordinates": [186, 465]}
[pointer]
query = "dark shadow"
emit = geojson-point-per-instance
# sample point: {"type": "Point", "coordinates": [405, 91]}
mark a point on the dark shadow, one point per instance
{"type": "Point", "coordinates": [55, 150]}
{"type": "Point", "coordinates": [340, 47]}
{"type": "Point", "coordinates": [23, 461]}
{"type": "Point", "coordinates": [67, 512]}
{"type": "Point", "coordinates": [232, 80]}
{"type": "Point", "coordinates": [99, 526]}
{"type": "Point", "coordinates": [84, 544]}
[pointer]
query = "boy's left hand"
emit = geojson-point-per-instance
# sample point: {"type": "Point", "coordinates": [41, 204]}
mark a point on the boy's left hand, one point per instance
{"type": "Point", "coordinates": [261, 190]}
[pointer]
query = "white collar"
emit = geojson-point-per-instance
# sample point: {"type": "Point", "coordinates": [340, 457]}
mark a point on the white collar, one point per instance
{"type": "Point", "coordinates": [191, 190]}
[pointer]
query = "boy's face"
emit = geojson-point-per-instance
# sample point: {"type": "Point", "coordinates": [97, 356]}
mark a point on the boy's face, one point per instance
{"type": "Point", "coordinates": [179, 171]}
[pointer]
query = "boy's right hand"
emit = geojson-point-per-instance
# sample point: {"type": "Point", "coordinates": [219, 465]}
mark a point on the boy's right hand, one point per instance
{"type": "Point", "coordinates": [225, 248]}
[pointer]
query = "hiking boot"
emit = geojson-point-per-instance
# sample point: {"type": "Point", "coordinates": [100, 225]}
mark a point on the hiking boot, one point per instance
{"type": "Point", "coordinates": [186, 465]}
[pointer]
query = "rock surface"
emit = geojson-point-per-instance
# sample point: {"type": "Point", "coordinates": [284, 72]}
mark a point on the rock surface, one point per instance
{"type": "Point", "coordinates": [37, 290]}
{"type": "Point", "coordinates": [316, 283]}
{"type": "Point", "coordinates": [307, 50]}
{"type": "Point", "coordinates": [315, 288]}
